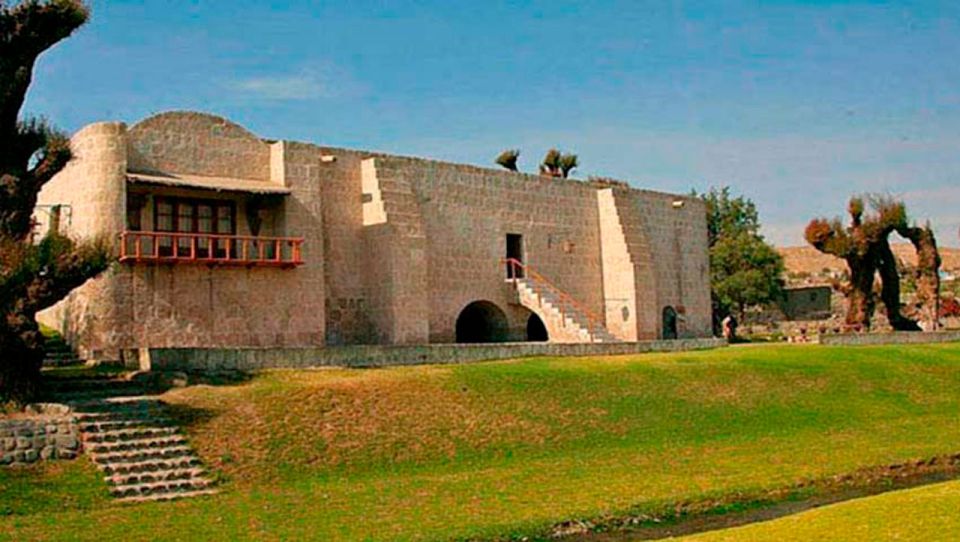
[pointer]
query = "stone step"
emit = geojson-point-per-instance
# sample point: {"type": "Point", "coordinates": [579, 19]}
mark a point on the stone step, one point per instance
{"type": "Point", "coordinates": [85, 384]}
{"type": "Point", "coordinates": [119, 419]}
{"type": "Point", "coordinates": [106, 424]}
{"type": "Point", "coordinates": [72, 398]}
{"type": "Point", "coordinates": [151, 465]}
{"type": "Point", "coordinates": [105, 459]}
{"type": "Point", "coordinates": [168, 496]}
{"type": "Point", "coordinates": [131, 434]}
{"type": "Point", "coordinates": [173, 486]}
{"type": "Point", "coordinates": [135, 445]}
{"type": "Point", "coordinates": [151, 477]}
{"type": "Point", "coordinates": [60, 353]}
{"type": "Point", "coordinates": [61, 362]}
{"type": "Point", "coordinates": [143, 404]}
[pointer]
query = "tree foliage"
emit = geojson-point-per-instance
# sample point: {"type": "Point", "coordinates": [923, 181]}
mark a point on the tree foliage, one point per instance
{"type": "Point", "coordinates": [744, 269]}
{"type": "Point", "coordinates": [508, 159]}
{"type": "Point", "coordinates": [558, 164]}
{"type": "Point", "coordinates": [33, 276]}
{"type": "Point", "coordinates": [568, 162]}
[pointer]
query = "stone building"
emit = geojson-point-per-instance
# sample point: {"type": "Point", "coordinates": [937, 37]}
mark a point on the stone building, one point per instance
{"type": "Point", "coordinates": [225, 240]}
{"type": "Point", "coordinates": [807, 302]}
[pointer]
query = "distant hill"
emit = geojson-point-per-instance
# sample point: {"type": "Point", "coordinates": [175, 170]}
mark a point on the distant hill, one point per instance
{"type": "Point", "coordinates": [807, 260]}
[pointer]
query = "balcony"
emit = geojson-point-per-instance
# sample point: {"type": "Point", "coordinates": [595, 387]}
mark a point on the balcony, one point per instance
{"type": "Point", "coordinates": [209, 249]}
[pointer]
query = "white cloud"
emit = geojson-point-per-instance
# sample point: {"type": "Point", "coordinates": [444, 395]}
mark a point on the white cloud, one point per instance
{"type": "Point", "coordinates": [307, 84]}
{"type": "Point", "coordinates": [285, 87]}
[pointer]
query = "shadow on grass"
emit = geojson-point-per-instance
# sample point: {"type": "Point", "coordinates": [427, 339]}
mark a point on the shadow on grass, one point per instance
{"type": "Point", "coordinates": [79, 383]}
{"type": "Point", "coordinates": [688, 518]}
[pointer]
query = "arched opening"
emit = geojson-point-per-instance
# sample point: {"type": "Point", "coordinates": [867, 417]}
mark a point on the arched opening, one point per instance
{"type": "Point", "coordinates": [669, 323]}
{"type": "Point", "coordinates": [481, 322]}
{"type": "Point", "coordinates": [536, 331]}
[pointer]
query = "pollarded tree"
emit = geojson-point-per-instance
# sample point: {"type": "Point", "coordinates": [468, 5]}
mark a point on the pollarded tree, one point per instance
{"type": "Point", "coordinates": [33, 276]}
{"type": "Point", "coordinates": [508, 159]}
{"type": "Point", "coordinates": [558, 164]}
{"type": "Point", "coordinates": [865, 246]}
{"type": "Point", "coordinates": [551, 163]}
{"type": "Point", "coordinates": [568, 162]}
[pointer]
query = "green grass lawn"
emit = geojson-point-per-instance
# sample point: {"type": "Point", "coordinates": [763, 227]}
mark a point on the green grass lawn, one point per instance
{"type": "Point", "coordinates": [924, 514]}
{"type": "Point", "coordinates": [493, 449]}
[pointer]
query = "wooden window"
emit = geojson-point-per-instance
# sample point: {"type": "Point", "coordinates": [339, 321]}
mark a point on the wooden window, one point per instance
{"type": "Point", "coordinates": [181, 215]}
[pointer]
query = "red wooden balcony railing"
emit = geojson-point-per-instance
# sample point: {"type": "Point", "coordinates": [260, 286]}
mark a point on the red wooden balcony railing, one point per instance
{"type": "Point", "coordinates": [203, 248]}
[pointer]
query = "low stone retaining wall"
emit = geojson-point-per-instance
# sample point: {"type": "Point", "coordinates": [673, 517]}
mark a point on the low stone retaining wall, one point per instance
{"type": "Point", "coordinates": [893, 337]}
{"type": "Point", "coordinates": [49, 432]}
{"type": "Point", "coordinates": [251, 359]}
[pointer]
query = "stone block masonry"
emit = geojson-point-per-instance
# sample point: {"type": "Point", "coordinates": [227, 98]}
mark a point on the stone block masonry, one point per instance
{"type": "Point", "coordinates": [253, 359]}
{"type": "Point", "coordinates": [50, 434]}
{"type": "Point", "coordinates": [893, 337]}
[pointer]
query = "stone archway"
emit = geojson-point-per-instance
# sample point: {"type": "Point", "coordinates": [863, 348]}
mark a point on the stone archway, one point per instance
{"type": "Point", "coordinates": [536, 330]}
{"type": "Point", "coordinates": [482, 322]}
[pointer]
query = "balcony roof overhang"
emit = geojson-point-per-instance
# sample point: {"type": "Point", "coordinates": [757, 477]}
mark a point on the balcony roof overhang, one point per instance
{"type": "Point", "coordinates": [217, 184]}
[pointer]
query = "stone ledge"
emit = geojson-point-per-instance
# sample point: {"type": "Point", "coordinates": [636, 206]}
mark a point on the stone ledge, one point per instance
{"type": "Point", "coordinates": [252, 359]}
{"type": "Point", "coordinates": [893, 337]}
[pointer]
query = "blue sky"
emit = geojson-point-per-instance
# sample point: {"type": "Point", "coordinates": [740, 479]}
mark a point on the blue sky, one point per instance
{"type": "Point", "coordinates": [794, 104]}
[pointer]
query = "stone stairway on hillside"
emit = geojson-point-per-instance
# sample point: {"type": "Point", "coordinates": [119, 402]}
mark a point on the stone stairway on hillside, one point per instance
{"type": "Point", "coordinates": [59, 353]}
{"type": "Point", "coordinates": [129, 435]}
{"type": "Point", "coordinates": [569, 322]}
{"type": "Point", "coordinates": [139, 449]}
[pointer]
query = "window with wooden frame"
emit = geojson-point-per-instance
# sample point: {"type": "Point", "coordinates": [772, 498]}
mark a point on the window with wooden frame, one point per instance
{"type": "Point", "coordinates": [182, 215]}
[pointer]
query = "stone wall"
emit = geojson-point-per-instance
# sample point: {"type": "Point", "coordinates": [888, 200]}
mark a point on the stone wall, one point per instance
{"type": "Point", "coordinates": [252, 359]}
{"type": "Point", "coordinates": [893, 337]}
{"type": "Point", "coordinates": [50, 434]}
{"type": "Point", "coordinates": [132, 306]}
{"type": "Point", "coordinates": [93, 185]}
{"type": "Point", "coordinates": [198, 144]}
{"type": "Point", "coordinates": [346, 267]}
{"type": "Point", "coordinates": [467, 213]}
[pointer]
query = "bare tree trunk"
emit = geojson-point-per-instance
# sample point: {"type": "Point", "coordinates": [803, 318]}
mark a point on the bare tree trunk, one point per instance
{"type": "Point", "coordinates": [860, 300]}
{"type": "Point", "coordinates": [928, 274]}
{"type": "Point", "coordinates": [890, 293]}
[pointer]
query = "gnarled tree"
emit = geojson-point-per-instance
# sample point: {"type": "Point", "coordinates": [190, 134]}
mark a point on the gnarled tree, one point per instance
{"type": "Point", "coordinates": [33, 276]}
{"type": "Point", "coordinates": [865, 246]}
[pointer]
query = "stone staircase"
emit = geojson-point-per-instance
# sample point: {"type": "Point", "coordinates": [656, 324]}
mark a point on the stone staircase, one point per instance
{"type": "Point", "coordinates": [565, 320]}
{"type": "Point", "coordinates": [139, 449]}
{"type": "Point", "coordinates": [59, 353]}
{"type": "Point", "coordinates": [129, 435]}
{"type": "Point", "coordinates": [90, 388]}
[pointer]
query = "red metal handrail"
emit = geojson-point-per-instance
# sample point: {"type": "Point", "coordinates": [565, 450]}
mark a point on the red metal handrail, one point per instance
{"type": "Point", "coordinates": [208, 248]}
{"type": "Point", "coordinates": [516, 271]}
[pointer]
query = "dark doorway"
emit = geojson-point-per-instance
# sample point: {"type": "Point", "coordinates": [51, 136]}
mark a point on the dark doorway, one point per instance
{"type": "Point", "coordinates": [514, 252]}
{"type": "Point", "coordinates": [536, 331]}
{"type": "Point", "coordinates": [481, 322]}
{"type": "Point", "coordinates": [669, 323]}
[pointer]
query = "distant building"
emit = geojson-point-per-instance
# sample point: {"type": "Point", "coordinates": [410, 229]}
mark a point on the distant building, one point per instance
{"type": "Point", "coordinates": [807, 303]}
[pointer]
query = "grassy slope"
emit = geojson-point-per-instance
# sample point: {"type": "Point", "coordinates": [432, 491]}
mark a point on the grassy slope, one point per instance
{"type": "Point", "coordinates": [923, 514]}
{"type": "Point", "coordinates": [494, 448]}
